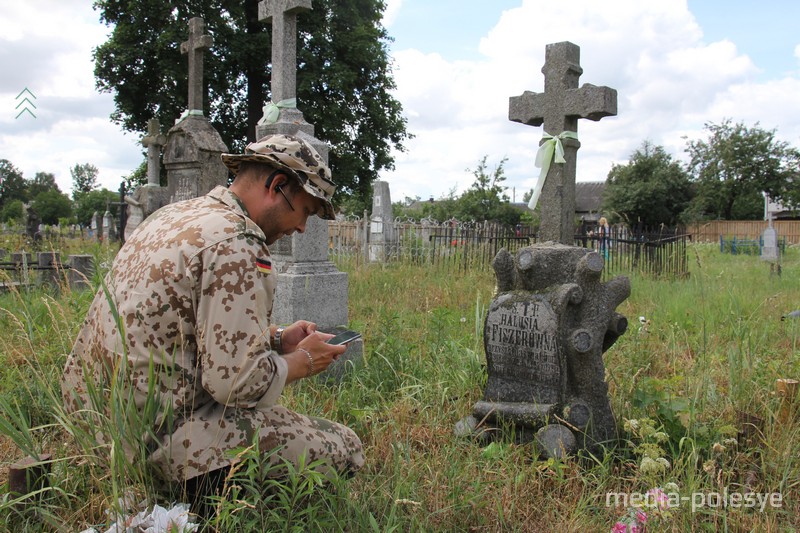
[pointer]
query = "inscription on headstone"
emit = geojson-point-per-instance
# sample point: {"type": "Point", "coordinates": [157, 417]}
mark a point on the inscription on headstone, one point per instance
{"type": "Point", "coordinates": [523, 355]}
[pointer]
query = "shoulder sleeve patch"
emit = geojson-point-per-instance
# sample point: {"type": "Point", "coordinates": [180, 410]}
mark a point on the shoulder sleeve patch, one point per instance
{"type": "Point", "coordinates": [264, 266]}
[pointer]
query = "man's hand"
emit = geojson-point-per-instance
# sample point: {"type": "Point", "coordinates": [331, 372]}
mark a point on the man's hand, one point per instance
{"type": "Point", "coordinates": [292, 335]}
{"type": "Point", "coordinates": [312, 356]}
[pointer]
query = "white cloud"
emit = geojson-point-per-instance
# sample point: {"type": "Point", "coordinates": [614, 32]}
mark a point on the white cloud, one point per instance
{"type": "Point", "coordinates": [47, 47]}
{"type": "Point", "coordinates": [669, 82]}
{"type": "Point", "coordinates": [391, 11]}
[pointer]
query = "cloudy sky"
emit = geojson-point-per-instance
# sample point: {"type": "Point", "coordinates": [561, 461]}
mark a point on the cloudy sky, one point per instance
{"type": "Point", "coordinates": [675, 64]}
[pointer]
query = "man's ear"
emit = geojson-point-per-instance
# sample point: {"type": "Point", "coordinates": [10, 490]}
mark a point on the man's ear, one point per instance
{"type": "Point", "coordinates": [277, 181]}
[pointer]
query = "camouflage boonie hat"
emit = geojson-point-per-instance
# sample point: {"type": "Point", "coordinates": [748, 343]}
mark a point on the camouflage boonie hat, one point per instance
{"type": "Point", "coordinates": [299, 158]}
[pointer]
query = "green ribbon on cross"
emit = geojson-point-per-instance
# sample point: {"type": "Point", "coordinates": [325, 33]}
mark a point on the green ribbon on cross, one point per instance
{"type": "Point", "coordinates": [550, 150]}
{"type": "Point", "coordinates": [272, 110]}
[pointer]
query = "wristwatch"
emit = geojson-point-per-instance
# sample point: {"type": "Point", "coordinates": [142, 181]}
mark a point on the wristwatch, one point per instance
{"type": "Point", "coordinates": [278, 343]}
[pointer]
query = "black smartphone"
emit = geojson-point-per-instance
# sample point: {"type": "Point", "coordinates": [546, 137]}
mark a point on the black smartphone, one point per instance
{"type": "Point", "coordinates": [344, 337]}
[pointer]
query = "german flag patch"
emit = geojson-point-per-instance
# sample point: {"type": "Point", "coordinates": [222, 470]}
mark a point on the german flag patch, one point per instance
{"type": "Point", "coordinates": [264, 266]}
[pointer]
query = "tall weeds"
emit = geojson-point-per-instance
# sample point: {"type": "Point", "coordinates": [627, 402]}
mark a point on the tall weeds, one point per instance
{"type": "Point", "coordinates": [701, 372]}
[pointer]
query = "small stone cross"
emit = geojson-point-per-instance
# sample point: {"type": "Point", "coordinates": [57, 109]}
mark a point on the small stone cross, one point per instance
{"type": "Point", "coordinates": [283, 15]}
{"type": "Point", "coordinates": [195, 47]}
{"type": "Point", "coordinates": [154, 140]}
{"type": "Point", "coordinates": [559, 108]}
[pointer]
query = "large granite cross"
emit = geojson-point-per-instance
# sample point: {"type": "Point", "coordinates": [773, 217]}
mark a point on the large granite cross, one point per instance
{"type": "Point", "coordinates": [283, 15]}
{"type": "Point", "coordinates": [195, 47]}
{"type": "Point", "coordinates": [559, 107]}
{"type": "Point", "coordinates": [153, 141]}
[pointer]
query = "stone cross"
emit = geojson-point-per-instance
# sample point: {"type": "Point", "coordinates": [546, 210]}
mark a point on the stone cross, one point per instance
{"type": "Point", "coordinates": [559, 107]}
{"type": "Point", "coordinates": [194, 47]}
{"type": "Point", "coordinates": [154, 140]}
{"type": "Point", "coordinates": [283, 15]}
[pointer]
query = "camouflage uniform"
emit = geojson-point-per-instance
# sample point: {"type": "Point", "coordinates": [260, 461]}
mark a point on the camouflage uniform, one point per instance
{"type": "Point", "coordinates": [193, 304]}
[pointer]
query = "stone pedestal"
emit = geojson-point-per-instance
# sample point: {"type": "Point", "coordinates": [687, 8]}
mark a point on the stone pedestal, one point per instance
{"type": "Point", "coordinates": [544, 336]}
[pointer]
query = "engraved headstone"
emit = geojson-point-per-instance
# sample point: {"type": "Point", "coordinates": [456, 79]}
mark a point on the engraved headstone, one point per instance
{"type": "Point", "coordinates": [544, 336]}
{"type": "Point", "coordinates": [558, 108]}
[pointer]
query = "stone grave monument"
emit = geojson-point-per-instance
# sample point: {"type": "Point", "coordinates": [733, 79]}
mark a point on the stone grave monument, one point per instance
{"type": "Point", "coordinates": [193, 147]}
{"type": "Point", "coordinates": [559, 107]}
{"type": "Point", "coordinates": [109, 228]}
{"type": "Point", "coordinates": [310, 286]}
{"type": "Point", "coordinates": [96, 226]}
{"type": "Point", "coordinates": [770, 251]}
{"type": "Point", "coordinates": [381, 227]}
{"type": "Point", "coordinates": [151, 196]}
{"type": "Point", "coordinates": [553, 316]}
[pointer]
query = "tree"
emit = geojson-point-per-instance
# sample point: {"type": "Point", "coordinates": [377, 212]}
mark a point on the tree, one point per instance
{"type": "Point", "coordinates": [344, 79]}
{"type": "Point", "coordinates": [13, 211]}
{"type": "Point", "coordinates": [84, 179]}
{"type": "Point", "coordinates": [12, 184]}
{"type": "Point", "coordinates": [41, 182]}
{"type": "Point", "coordinates": [51, 205]}
{"type": "Point", "coordinates": [87, 203]}
{"type": "Point", "coordinates": [651, 189]}
{"type": "Point", "coordinates": [486, 198]}
{"type": "Point", "coordinates": [735, 166]}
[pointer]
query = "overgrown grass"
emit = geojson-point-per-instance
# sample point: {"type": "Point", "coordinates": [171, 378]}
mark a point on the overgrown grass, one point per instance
{"type": "Point", "coordinates": [704, 365]}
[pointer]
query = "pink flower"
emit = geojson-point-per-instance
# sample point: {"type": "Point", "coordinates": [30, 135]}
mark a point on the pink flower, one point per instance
{"type": "Point", "coordinates": [636, 529]}
{"type": "Point", "coordinates": [641, 517]}
{"type": "Point", "coordinates": [659, 497]}
{"type": "Point", "coordinates": [620, 527]}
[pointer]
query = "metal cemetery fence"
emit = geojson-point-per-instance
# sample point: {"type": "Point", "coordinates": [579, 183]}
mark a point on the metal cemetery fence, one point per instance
{"type": "Point", "coordinates": [456, 244]}
{"type": "Point", "coordinates": [23, 269]}
{"type": "Point", "coordinates": [658, 252]}
{"type": "Point", "coordinates": [463, 245]}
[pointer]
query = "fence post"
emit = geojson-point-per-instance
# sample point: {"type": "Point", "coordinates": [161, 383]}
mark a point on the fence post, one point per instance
{"type": "Point", "coordinates": [366, 237]}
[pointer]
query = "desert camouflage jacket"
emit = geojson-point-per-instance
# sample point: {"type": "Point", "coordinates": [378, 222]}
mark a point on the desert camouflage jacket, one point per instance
{"type": "Point", "coordinates": [189, 300]}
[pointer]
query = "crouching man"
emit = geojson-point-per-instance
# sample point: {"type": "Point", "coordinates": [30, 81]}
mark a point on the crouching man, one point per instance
{"type": "Point", "coordinates": [186, 314]}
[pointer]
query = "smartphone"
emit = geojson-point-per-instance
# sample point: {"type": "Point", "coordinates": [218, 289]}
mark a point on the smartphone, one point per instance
{"type": "Point", "coordinates": [344, 337]}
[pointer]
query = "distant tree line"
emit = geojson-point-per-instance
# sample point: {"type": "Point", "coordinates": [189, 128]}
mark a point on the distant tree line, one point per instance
{"type": "Point", "coordinates": [725, 178]}
{"type": "Point", "coordinates": [44, 198]}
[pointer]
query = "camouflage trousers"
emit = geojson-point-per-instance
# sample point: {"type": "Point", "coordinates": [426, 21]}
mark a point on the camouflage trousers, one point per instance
{"type": "Point", "coordinates": [203, 442]}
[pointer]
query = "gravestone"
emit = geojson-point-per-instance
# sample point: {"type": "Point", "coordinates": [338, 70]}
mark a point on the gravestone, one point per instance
{"type": "Point", "coordinates": [559, 107]}
{"type": "Point", "coordinates": [544, 336]}
{"type": "Point", "coordinates": [552, 316]}
{"type": "Point", "coordinates": [310, 286]}
{"type": "Point", "coordinates": [109, 228]}
{"type": "Point", "coordinates": [32, 222]}
{"type": "Point", "coordinates": [147, 198]}
{"type": "Point", "coordinates": [193, 148]}
{"type": "Point", "coordinates": [382, 234]}
{"type": "Point", "coordinates": [770, 250]}
{"type": "Point", "coordinates": [96, 226]}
